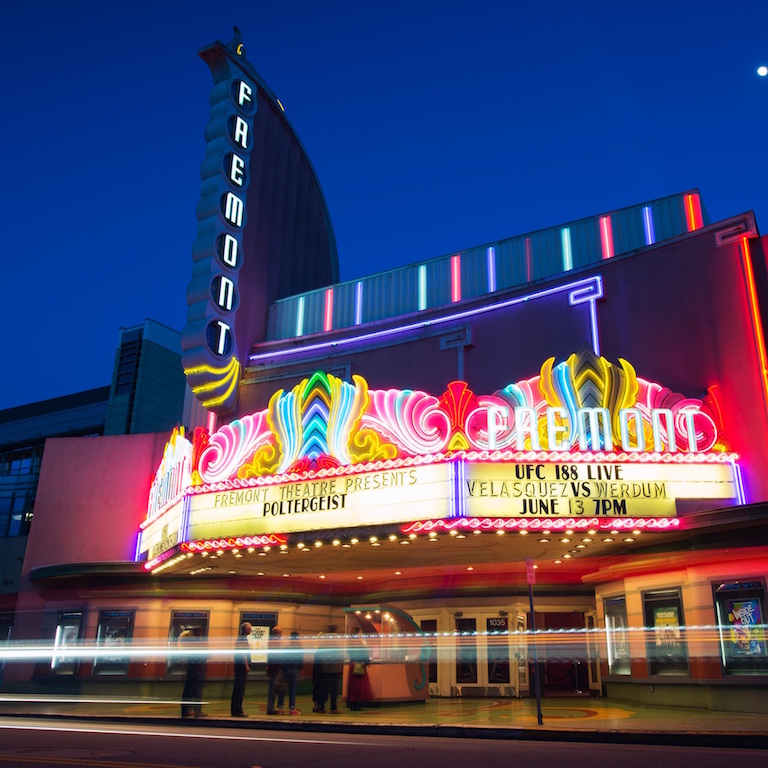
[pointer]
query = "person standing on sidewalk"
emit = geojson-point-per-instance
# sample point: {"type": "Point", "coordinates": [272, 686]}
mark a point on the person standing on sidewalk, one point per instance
{"type": "Point", "coordinates": [292, 664]}
{"type": "Point", "coordinates": [242, 668]}
{"type": "Point", "coordinates": [192, 695]}
{"type": "Point", "coordinates": [275, 683]}
{"type": "Point", "coordinates": [359, 688]}
{"type": "Point", "coordinates": [329, 660]}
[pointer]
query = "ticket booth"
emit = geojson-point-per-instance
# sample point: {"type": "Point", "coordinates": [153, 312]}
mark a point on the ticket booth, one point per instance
{"type": "Point", "coordinates": [398, 649]}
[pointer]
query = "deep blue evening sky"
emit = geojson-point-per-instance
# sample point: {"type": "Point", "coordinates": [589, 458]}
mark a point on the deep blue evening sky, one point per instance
{"type": "Point", "coordinates": [433, 126]}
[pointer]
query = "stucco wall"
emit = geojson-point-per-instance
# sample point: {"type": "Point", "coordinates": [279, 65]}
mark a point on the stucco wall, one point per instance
{"type": "Point", "coordinates": [89, 509]}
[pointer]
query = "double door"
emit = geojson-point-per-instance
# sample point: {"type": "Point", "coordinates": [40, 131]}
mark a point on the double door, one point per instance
{"type": "Point", "coordinates": [490, 655]}
{"type": "Point", "coordinates": [493, 655]}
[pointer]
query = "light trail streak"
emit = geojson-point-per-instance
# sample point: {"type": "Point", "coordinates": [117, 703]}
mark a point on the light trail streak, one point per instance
{"type": "Point", "coordinates": [183, 733]}
{"type": "Point", "coordinates": [411, 646]}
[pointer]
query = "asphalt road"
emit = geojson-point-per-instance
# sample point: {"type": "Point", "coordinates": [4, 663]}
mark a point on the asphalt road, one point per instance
{"type": "Point", "coordinates": [37, 742]}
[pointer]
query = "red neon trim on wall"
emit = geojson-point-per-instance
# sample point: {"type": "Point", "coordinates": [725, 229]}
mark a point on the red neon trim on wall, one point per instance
{"type": "Point", "coordinates": [456, 278]}
{"type": "Point", "coordinates": [606, 236]}
{"type": "Point", "coordinates": [693, 212]}
{"type": "Point", "coordinates": [755, 312]}
{"type": "Point", "coordinates": [328, 315]}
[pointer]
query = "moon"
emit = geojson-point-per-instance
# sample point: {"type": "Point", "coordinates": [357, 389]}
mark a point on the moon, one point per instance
{"type": "Point", "coordinates": [762, 71]}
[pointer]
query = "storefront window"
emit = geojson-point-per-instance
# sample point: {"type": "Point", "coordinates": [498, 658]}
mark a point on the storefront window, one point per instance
{"type": "Point", "coordinates": [114, 632]}
{"type": "Point", "coordinates": [617, 636]}
{"type": "Point", "coordinates": [182, 621]}
{"type": "Point", "coordinates": [665, 633]}
{"type": "Point", "coordinates": [65, 641]}
{"type": "Point", "coordinates": [741, 623]}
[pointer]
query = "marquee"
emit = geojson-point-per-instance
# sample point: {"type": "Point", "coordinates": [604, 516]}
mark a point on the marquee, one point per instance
{"type": "Point", "coordinates": [583, 439]}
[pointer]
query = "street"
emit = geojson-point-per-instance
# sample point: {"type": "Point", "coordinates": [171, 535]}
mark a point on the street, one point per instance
{"type": "Point", "coordinates": [40, 742]}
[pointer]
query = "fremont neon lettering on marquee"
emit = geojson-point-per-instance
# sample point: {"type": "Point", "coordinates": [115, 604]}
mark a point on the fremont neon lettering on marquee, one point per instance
{"type": "Point", "coordinates": [591, 428]}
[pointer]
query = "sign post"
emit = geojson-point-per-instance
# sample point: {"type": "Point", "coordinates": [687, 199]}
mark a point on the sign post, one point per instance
{"type": "Point", "coordinates": [531, 576]}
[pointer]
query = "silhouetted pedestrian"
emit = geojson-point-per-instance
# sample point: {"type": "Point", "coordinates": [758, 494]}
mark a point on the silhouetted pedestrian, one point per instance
{"type": "Point", "coordinates": [242, 667]}
{"type": "Point", "coordinates": [293, 661]}
{"type": "Point", "coordinates": [192, 694]}
{"type": "Point", "coordinates": [275, 683]}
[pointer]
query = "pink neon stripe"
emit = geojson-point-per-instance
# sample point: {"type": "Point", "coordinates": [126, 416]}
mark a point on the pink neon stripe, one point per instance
{"type": "Point", "coordinates": [456, 278]}
{"type": "Point", "coordinates": [693, 212]}
{"type": "Point", "coordinates": [528, 268]}
{"type": "Point", "coordinates": [606, 236]}
{"type": "Point", "coordinates": [328, 318]}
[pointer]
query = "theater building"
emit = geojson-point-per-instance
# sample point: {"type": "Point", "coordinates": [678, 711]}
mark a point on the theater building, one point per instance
{"type": "Point", "coordinates": [579, 414]}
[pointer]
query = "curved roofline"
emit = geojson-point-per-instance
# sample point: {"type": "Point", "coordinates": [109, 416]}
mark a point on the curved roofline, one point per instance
{"type": "Point", "coordinates": [243, 62]}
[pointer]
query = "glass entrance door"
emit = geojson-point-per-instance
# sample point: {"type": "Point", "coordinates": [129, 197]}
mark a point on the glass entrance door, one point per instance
{"type": "Point", "coordinates": [466, 651]}
{"type": "Point", "coordinates": [522, 684]}
{"type": "Point", "coordinates": [593, 653]}
{"type": "Point", "coordinates": [497, 646]}
{"type": "Point", "coordinates": [484, 664]}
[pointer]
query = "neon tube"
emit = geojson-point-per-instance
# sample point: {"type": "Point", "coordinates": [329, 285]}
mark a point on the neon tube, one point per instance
{"type": "Point", "coordinates": [755, 312]}
{"type": "Point", "coordinates": [456, 278]}
{"type": "Point", "coordinates": [491, 256]}
{"type": "Point", "coordinates": [693, 212]}
{"type": "Point", "coordinates": [606, 236]}
{"type": "Point", "coordinates": [423, 287]}
{"type": "Point", "coordinates": [565, 239]}
{"type": "Point", "coordinates": [328, 314]}
{"type": "Point", "coordinates": [650, 524]}
{"type": "Point", "coordinates": [359, 302]}
{"type": "Point", "coordinates": [300, 317]}
{"type": "Point", "coordinates": [650, 235]}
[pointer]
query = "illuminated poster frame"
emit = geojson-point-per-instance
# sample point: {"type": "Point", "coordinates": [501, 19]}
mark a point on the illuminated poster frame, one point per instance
{"type": "Point", "coordinates": [114, 631]}
{"type": "Point", "coordinates": [741, 621]}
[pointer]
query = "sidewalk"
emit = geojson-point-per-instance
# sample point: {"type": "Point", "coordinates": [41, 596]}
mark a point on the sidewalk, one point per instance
{"type": "Point", "coordinates": [564, 719]}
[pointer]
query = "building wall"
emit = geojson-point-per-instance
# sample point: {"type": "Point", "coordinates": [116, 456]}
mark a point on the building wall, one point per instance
{"type": "Point", "coordinates": [696, 582]}
{"type": "Point", "coordinates": [23, 432]}
{"type": "Point", "coordinates": [679, 313]}
{"type": "Point", "coordinates": [91, 498]}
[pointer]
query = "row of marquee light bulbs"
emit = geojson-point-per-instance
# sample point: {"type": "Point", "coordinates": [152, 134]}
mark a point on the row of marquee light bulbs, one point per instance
{"type": "Point", "coordinates": [567, 537]}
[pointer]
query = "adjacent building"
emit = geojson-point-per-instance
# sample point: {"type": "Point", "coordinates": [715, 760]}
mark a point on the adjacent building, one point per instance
{"type": "Point", "coordinates": [146, 395]}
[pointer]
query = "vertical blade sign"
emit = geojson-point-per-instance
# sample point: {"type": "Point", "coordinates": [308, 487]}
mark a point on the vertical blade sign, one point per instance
{"type": "Point", "coordinates": [209, 349]}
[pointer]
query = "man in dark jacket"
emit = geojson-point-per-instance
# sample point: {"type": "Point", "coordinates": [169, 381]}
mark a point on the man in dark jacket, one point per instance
{"type": "Point", "coordinates": [330, 661]}
{"type": "Point", "coordinates": [242, 667]}
{"type": "Point", "coordinates": [191, 696]}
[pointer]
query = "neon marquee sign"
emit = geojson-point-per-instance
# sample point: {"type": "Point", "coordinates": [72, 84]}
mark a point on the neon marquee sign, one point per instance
{"type": "Point", "coordinates": [583, 409]}
{"type": "Point", "coordinates": [173, 475]}
{"type": "Point", "coordinates": [585, 440]}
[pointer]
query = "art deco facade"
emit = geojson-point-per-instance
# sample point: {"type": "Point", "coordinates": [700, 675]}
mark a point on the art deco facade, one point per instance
{"type": "Point", "coordinates": [581, 410]}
